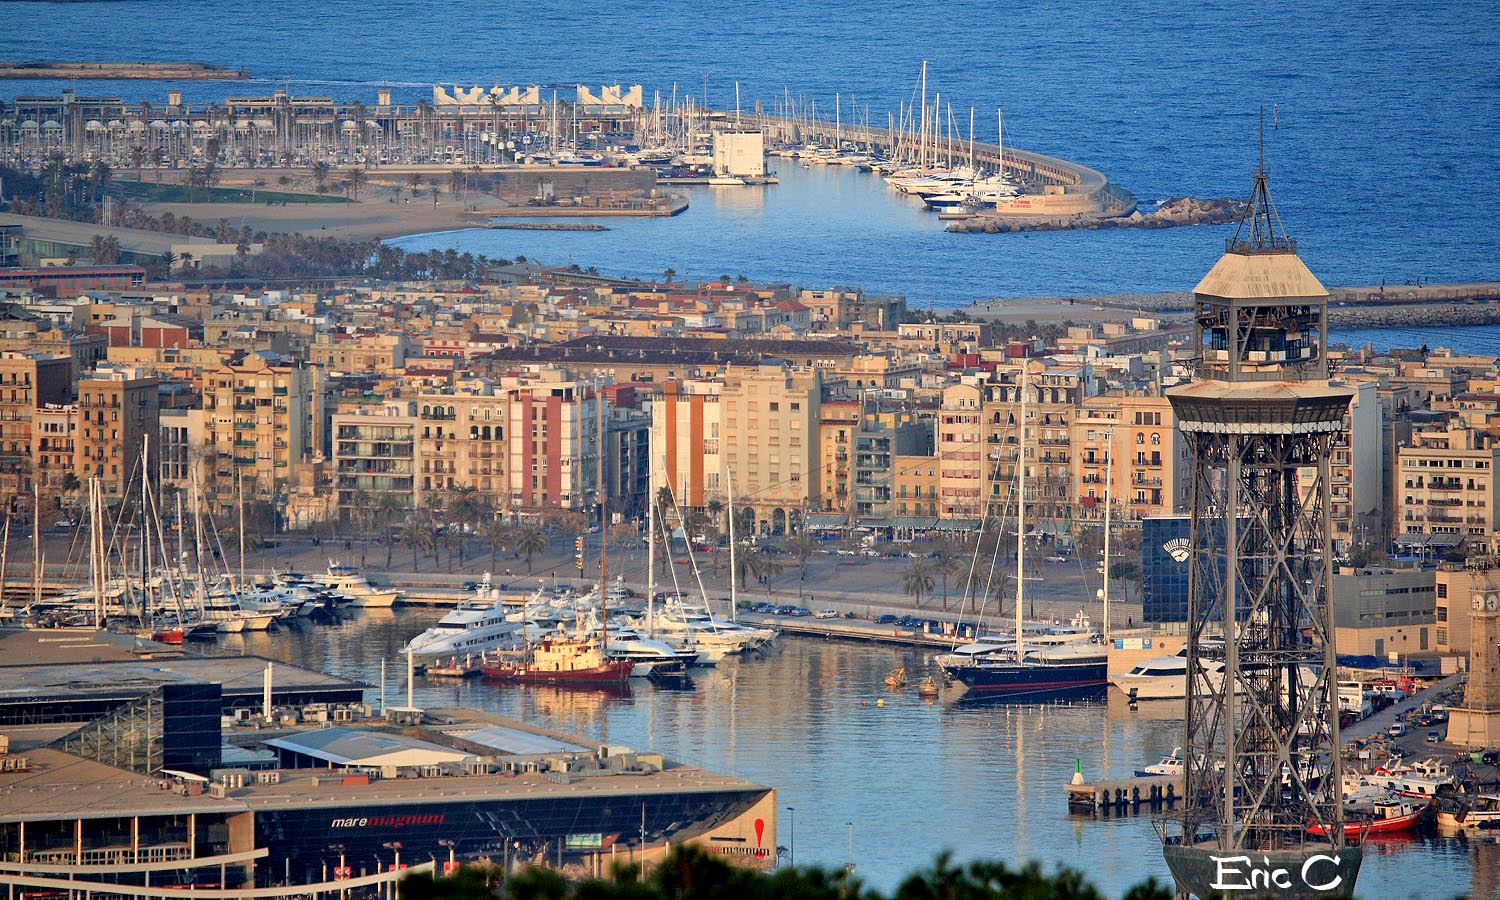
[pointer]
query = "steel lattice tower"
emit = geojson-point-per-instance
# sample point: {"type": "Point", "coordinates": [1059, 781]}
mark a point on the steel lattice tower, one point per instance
{"type": "Point", "coordinates": [1261, 734]}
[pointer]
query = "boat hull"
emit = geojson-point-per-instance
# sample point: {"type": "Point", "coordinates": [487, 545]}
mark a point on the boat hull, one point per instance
{"type": "Point", "coordinates": [613, 672]}
{"type": "Point", "coordinates": [1035, 683]}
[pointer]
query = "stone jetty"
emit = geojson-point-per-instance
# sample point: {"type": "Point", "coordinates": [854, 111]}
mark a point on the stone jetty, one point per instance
{"type": "Point", "coordinates": [1170, 214]}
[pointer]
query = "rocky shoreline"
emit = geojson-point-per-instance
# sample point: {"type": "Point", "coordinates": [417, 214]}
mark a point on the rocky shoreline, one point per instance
{"type": "Point", "coordinates": [1170, 214]}
{"type": "Point", "coordinates": [145, 71]}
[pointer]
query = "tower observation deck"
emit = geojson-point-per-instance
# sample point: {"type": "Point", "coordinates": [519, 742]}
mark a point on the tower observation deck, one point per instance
{"type": "Point", "coordinates": [1261, 743]}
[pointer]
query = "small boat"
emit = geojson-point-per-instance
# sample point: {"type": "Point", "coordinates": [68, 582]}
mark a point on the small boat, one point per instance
{"type": "Point", "coordinates": [896, 678]}
{"type": "Point", "coordinates": [1385, 817]}
{"type": "Point", "coordinates": [1167, 766]}
{"type": "Point", "coordinates": [1482, 815]}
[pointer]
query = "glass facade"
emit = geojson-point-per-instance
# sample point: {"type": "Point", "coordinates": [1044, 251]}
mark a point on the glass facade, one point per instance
{"type": "Point", "coordinates": [173, 727]}
{"type": "Point", "coordinates": [556, 829]}
{"type": "Point", "coordinates": [1164, 568]}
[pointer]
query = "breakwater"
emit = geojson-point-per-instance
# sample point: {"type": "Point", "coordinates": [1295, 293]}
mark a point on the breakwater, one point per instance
{"type": "Point", "coordinates": [138, 71]}
{"type": "Point", "coordinates": [1170, 214]}
{"type": "Point", "coordinates": [1377, 306]}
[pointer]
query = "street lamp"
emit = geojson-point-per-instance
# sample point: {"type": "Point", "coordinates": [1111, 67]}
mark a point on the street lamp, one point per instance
{"type": "Point", "coordinates": [395, 867]}
{"type": "Point", "coordinates": [792, 835]}
{"type": "Point", "coordinates": [452, 864]}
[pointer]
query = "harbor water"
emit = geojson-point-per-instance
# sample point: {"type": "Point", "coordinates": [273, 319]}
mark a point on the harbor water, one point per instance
{"type": "Point", "coordinates": [913, 776]}
{"type": "Point", "coordinates": [1382, 130]}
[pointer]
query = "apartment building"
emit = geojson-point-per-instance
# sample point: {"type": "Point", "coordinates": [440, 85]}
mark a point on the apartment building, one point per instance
{"type": "Point", "coordinates": [965, 469]}
{"type": "Point", "coordinates": [769, 417]}
{"type": "Point", "coordinates": [686, 442]}
{"type": "Point", "coordinates": [882, 437]}
{"type": "Point", "coordinates": [1447, 491]}
{"type": "Point", "coordinates": [554, 440]}
{"type": "Point", "coordinates": [55, 452]}
{"type": "Point", "coordinates": [916, 485]}
{"type": "Point", "coordinates": [375, 453]}
{"type": "Point", "coordinates": [1133, 440]}
{"type": "Point", "coordinates": [461, 441]}
{"type": "Point", "coordinates": [256, 425]}
{"type": "Point", "coordinates": [118, 410]}
{"type": "Point", "coordinates": [28, 380]}
{"type": "Point", "coordinates": [837, 423]}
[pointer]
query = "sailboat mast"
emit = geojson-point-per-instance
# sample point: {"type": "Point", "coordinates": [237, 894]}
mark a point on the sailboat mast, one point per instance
{"type": "Point", "coordinates": [1000, 138]}
{"type": "Point", "coordinates": [36, 546]}
{"type": "Point", "coordinates": [734, 602]}
{"type": "Point", "coordinates": [239, 482]}
{"type": "Point", "coordinates": [603, 515]}
{"type": "Point", "coordinates": [5, 558]}
{"type": "Point", "coordinates": [144, 612]}
{"type": "Point", "coordinates": [1109, 483]}
{"type": "Point", "coordinates": [1021, 518]}
{"type": "Point", "coordinates": [96, 517]}
{"type": "Point", "coordinates": [651, 553]}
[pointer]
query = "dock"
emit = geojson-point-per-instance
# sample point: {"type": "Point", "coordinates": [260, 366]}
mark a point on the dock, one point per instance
{"type": "Point", "coordinates": [1124, 796]}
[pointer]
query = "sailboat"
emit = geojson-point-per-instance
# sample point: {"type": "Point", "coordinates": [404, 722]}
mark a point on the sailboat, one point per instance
{"type": "Point", "coordinates": [1067, 671]}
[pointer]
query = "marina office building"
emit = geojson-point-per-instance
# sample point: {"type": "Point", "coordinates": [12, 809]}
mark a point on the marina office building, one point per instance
{"type": "Point", "coordinates": [178, 784]}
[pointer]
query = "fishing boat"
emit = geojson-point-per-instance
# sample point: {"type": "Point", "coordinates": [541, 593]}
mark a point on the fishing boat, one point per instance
{"type": "Point", "coordinates": [468, 667]}
{"type": "Point", "coordinates": [1421, 779]}
{"type": "Point", "coordinates": [1482, 815]}
{"type": "Point", "coordinates": [1391, 816]}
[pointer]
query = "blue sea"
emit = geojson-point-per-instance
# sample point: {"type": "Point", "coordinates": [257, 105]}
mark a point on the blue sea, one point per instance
{"type": "Point", "coordinates": [1382, 139]}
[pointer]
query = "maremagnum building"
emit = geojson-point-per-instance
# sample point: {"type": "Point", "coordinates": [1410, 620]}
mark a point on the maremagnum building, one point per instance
{"type": "Point", "coordinates": [182, 786]}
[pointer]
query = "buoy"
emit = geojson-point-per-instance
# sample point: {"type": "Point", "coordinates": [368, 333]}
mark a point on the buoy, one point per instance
{"type": "Point", "coordinates": [880, 702]}
{"type": "Point", "coordinates": [864, 703]}
{"type": "Point", "coordinates": [1078, 771]}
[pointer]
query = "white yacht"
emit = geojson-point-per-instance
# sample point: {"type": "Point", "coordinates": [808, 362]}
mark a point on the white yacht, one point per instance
{"type": "Point", "coordinates": [1165, 677]}
{"type": "Point", "coordinates": [475, 626]}
{"type": "Point", "coordinates": [347, 580]}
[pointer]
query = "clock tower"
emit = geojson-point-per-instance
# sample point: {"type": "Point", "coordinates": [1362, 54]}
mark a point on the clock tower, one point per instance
{"type": "Point", "coordinates": [1477, 724]}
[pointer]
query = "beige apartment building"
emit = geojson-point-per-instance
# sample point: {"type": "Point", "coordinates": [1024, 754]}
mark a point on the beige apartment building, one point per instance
{"type": "Point", "coordinates": [376, 353]}
{"type": "Point", "coordinates": [838, 421]}
{"type": "Point", "coordinates": [462, 441]}
{"type": "Point", "coordinates": [28, 380]}
{"type": "Point", "coordinates": [257, 423]}
{"type": "Point", "coordinates": [770, 417]}
{"type": "Point", "coordinates": [1133, 440]}
{"type": "Point", "coordinates": [117, 408]}
{"type": "Point", "coordinates": [1446, 490]}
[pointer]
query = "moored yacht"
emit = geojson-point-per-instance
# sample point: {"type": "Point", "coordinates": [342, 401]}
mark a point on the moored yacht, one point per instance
{"type": "Point", "coordinates": [476, 626]}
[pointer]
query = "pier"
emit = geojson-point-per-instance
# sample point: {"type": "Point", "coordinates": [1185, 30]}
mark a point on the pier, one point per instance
{"type": "Point", "coordinates": [1124, 796]}
{"type": "Point", "coordinates": [137, 71]}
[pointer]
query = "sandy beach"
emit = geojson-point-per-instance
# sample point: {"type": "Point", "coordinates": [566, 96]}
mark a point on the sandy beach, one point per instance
{"type": "Point", "coordinates": [376, 217]}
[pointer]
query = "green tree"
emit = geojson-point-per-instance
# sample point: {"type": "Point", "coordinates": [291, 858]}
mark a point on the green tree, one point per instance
{"type": "Point", "coordinates": [320, 176]}
{"type": "Point", "coordinates": [418, 536]}
{"type": "Point", "coordinates": [530, 540]}
{"type": "Point", "coordinates": [388, 511]}
{"type": "Point", "coordinates": [917, 580]}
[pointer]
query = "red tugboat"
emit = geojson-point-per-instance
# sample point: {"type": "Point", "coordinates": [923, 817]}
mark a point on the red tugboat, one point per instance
{"type": "Point", "coordinates": [558, 659]}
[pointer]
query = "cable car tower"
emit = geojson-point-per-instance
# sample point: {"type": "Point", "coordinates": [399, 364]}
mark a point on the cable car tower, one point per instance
{"type": "Point", "coordinates": [1262, 813]}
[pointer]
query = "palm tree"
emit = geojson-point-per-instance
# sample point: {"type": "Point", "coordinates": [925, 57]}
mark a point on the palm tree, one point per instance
{"type": "Point", "coordinates": [388, 509]}
{"type": "Point", "coordinates": [418, 536]}
{"type": "Point", "coordinates": [748, 562]}
{"type": "Point", "coordinates": [917, 580]}
{"type": "Point", "coordinates": [467, 506]}
{"type": "Point", "coordinates": [715, 509]}
{"type": "Point", "coordinates": [320, 175]}
{"type": "Point", "coordinates": [770, 567]}
{"type": "Point", "coordinates": [530, 540]}
{"type": "Point", "coordinates": [496, 533]}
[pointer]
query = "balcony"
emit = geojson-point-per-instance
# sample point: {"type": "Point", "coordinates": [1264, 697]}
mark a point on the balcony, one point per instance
{"type": "Point", "coordinates": [279, 391]}
{"type": "Point", "coordinates": [244, 407]}
{"type": "Point", "coordinates": [1445, 501]}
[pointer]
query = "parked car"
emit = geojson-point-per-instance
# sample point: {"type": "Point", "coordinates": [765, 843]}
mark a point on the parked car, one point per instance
{"type": "Point", "coordinates": [763, 607]}
{"type": "Point", "coordinates": [1433, 737]}
{"type": "Point", "coordinates": [784, 610]}
{"type": "Point", "coordinates": [799, 611]}
{"type": "Point", "coordinates": [886, 619]}
{"type": "Point", "coordinates": [828, 614]}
